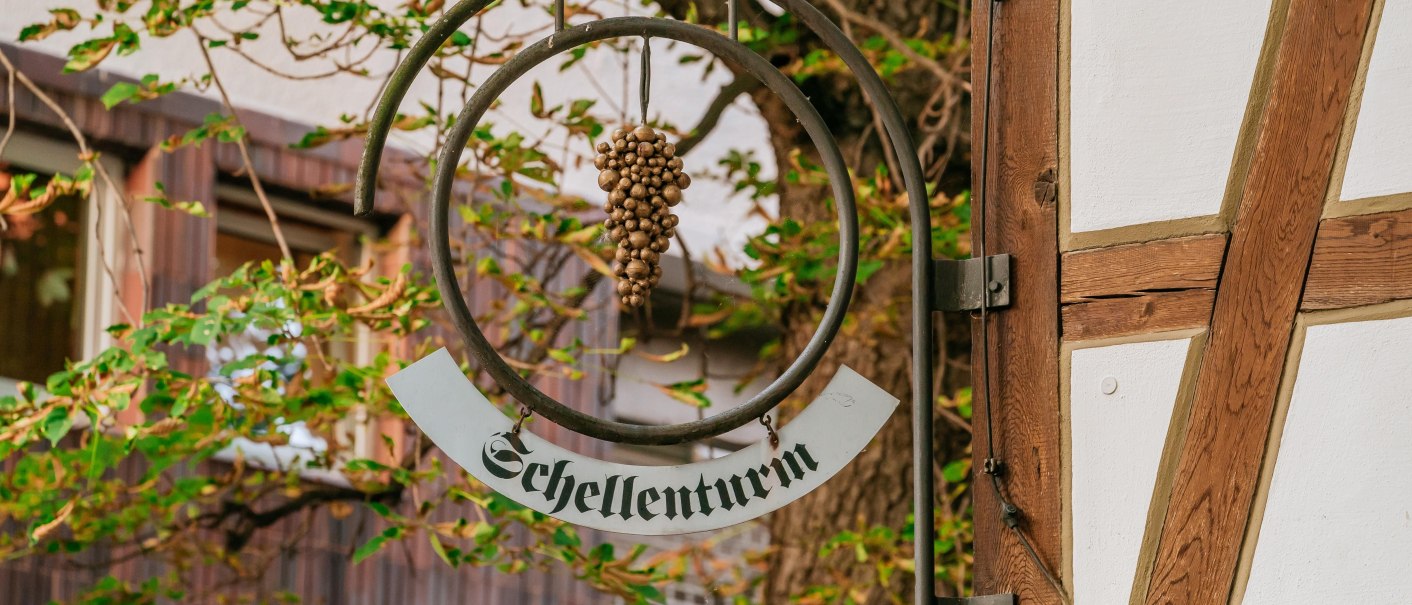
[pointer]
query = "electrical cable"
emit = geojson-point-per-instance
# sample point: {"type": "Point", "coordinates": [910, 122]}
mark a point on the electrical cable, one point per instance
{"type": "Point", "coordinates": [1010, 514]}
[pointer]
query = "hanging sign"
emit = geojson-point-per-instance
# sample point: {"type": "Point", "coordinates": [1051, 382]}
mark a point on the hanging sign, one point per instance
{"type": "Point", "coordinates": [631, 499]}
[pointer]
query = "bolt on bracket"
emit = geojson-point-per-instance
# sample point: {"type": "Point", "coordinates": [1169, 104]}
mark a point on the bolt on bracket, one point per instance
{"type": "Point", "coordinates": [966, 284]}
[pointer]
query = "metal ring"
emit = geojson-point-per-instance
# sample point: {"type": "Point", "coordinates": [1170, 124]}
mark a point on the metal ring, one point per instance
{"type": "Point", "coordinates": [508, 378]}
{"type": "Point", "coordinates": [421, 52]}
{"type": "Point", "coordinates": [903, 150]}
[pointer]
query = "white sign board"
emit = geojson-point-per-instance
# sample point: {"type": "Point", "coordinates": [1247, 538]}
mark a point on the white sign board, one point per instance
{"type": "Point", "coordinates": [645, 500]}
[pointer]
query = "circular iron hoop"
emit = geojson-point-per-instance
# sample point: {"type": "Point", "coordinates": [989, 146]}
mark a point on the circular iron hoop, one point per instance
{"type": "Point", "coordinates": [444, 183]}
{"type": "Point", "coordinates": [903, 151]}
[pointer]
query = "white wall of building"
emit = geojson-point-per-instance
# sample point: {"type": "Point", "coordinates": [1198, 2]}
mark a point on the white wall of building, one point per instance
{"type": "Point", "coordinates": [1379, 158]}
{"type": "Point", "coordinates": [1337, 522]}
{"type": "Point", "coordinates": [1157, 94]}
{"type": "Point", "coordinates": [1121, 398]}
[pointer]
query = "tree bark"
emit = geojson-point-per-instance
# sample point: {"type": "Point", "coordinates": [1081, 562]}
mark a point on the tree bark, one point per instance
{"type": "Point", "coordinates": [875, 489]}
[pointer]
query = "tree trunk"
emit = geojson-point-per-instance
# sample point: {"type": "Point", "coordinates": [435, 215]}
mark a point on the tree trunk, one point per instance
{"type": "Point", "coordinates": [875, 489]}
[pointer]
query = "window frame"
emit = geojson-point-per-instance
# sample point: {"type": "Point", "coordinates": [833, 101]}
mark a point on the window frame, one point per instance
{"type": "Point", "coordinates": [95, 293]}
{"type": "Point", "coordinates": [250, 224]}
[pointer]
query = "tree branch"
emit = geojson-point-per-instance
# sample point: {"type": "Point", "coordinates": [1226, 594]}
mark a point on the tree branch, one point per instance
{"type": "Point", "coordinates": [740, 85]}
{"type": "Point", "coordinates": [201, 42]}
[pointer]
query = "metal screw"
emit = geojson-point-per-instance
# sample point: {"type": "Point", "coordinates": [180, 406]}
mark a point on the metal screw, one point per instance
{"type": "Point", "coordinates": [1110, 385]}
{"type": "Point", "coordinates": [996, 286]}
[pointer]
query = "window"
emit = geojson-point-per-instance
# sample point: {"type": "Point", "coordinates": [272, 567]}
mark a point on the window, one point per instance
{"type": "Point", "coordinates": [243, 234]}
{"type": "Point", "coordinates": [55, 298]}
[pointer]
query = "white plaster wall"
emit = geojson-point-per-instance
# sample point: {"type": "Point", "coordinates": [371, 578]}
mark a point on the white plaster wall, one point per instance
{"type": "Point", "coordinates": [1380, 159]}
{"type": "Point", "coordinates": [1120, 406]}
{"type": "Point", "coordinates": [1157, 94]}
{"type": "Point", "coordinates": [710, 217]}
{"type": "Point", "coordinates": [1337, 526]}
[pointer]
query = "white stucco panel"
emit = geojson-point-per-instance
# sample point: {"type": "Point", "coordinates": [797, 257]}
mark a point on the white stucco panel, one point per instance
{"type": "Point", "coordinates": [1337, 526]}
{"type": "Point", "coordinates": [1379, 159]}
{"type": "Point", "coordinates": [1158, 91]}
{"type": "Point", "coordinates": [1120, 407]}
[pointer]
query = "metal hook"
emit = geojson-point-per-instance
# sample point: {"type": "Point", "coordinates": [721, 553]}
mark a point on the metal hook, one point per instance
{"type": "Point", "coordinates": [734, 21]}
{"type": "Point", "coordinates": [774, 437]}
{"type": "Point", "coordinates": [525, 413]}
{"type": "Point", "coordinates": [558, 16]}
{"type": "Point", "coordinates": [645, 86]}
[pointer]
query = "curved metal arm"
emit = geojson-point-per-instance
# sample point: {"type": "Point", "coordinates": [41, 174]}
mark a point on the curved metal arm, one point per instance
{"type": "Point", "coordinates": [911, 169]}
{"type": "Point", "coordinates": [397, 85]}
{"type": "Point", "coordinates": [510, 379]}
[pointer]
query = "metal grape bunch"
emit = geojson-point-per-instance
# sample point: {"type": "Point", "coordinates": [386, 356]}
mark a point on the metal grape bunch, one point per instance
{"type": "Point", "coordinates": [644, 179]}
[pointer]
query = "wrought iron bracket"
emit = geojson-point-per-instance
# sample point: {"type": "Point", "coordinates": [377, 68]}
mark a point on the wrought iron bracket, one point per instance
{"type": "Point", "coordinates": [990, 599]}
{"type": "Point", "coordinates": [964, 285]}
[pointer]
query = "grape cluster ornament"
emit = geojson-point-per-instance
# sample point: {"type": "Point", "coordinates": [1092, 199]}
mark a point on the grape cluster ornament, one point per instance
{"type": "Point", "coordinates": [644, 180]}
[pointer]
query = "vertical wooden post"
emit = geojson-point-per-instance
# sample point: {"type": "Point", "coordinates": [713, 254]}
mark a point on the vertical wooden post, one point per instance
{"type": "Point", "coordinates": [1020, 218]}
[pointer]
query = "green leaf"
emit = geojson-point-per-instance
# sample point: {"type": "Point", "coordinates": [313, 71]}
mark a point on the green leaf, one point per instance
{"type": "Point", "coordinates": [956, 470]}
{"type": "Point", "coordinates": [367, 550]}
{"type": "Point", "coordinates": [57, 424]}
{"type": "Point", "coordinates": [381, 509]}
{"type": "Point", "coordinates": [866, 269]}
{"type": "Point", "coordinates": [204, 330]}
{"type": "Point", "coordinates": [537, 101]}
{"type": "Point", "coordinates": [122, 91]}
{"type": "Point", "coordinates": [440, 550]}
{"type": "Point", "coordinates": [564, 536]}
{"type": "Point", "coordinates": [53, 286]}
{"type": "Point", "coordinates": [649, 593]}
{"type": "Point", "coordinates": [64, 19]}
{"type": "Point", "coordinates": [692, 392]}
{"type": "Point", "coordinates": [562, 356]}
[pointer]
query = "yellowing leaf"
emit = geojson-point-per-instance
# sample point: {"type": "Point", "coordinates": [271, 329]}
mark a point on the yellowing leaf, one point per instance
{"type": "Point", "coordinates": [582, 236]}
{"type": "Point", "coordinates": [668, 357]}
{"type": "Point", "coordinates": [44, 530]}
{"type": "Point", "coordinates": [593, 260]}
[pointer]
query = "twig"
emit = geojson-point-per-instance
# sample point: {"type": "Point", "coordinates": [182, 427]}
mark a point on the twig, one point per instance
{"type": "Point", "coordinates": [895, 39]}
{"type": "Point", "coordinates": [10, 104]}
{"type": "Point", "coordinates": [740, 85]}
{"type": "Point", "coordinates": [245, 153]}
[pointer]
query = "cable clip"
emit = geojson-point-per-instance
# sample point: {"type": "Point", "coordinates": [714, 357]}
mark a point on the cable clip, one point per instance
{"type": "Point", "coordinates": [1009, 514]}
{"type": "Point", "coordinates": [994, 467]}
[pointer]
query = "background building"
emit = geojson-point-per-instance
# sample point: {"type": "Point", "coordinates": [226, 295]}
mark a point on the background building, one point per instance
{"type": "Point", "coordinates": [55, 280]}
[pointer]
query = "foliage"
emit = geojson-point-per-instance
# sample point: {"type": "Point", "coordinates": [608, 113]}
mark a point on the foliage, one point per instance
{"type": "Point", "coordinates": [150, 485]}
{"type": "Point", "coordinates": [135, 453]}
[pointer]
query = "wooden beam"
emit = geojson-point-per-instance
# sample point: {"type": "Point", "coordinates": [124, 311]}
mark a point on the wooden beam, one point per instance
{"type": "Point", "coordinates": [1144, 314]}
{"type": "Point", "coordinates": [1021, 218]}
{"type": "Point", "coordinates": [1171, 264]}
{"type": "Point", "coordinates": [1256, 302]}
{"type": "Point", "coordinates": [1360, 260]}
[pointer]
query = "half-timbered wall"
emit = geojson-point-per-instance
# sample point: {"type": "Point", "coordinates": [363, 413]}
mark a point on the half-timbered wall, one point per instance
{"type": "Point", "coordinates": [1232, 258]}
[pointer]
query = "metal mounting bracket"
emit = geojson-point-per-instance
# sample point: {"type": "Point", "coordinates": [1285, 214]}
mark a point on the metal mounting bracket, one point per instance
{"type": "Point", "coordinates": [961, 285]}
{"type": "Point", "coordinates": [990, 599]}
